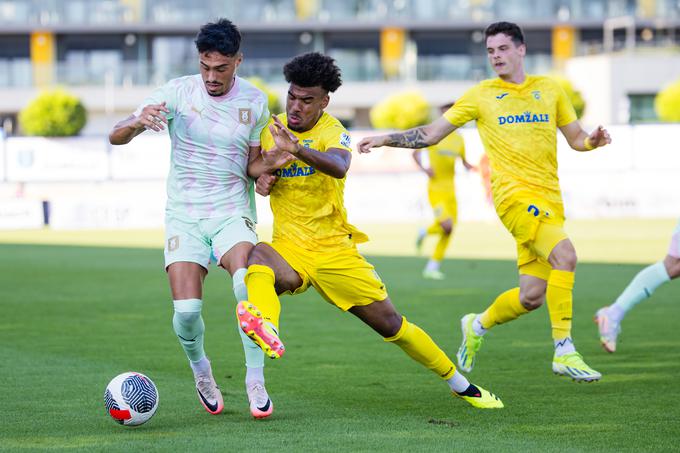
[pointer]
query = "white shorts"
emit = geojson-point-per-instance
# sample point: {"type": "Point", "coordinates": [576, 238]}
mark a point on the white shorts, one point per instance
{"type": "Point", "coordinates": [674, 247]}
{"type": "Point", "coordinates": [196, 240]}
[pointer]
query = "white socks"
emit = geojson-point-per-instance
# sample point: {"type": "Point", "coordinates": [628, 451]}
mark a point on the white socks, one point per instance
{"type": "Point", "coordinates": [564, 346]}
{"type": "Point", "coordinates": [458, 383]}
{"type": "Point", "coordinates": [477, 326]}
{"type": "Point", "coordinates": [432, 265]}
{"type": "Point", "coordinates": [640, 288]}
{"type": "Point", "coordinates": [188, 324]}
{"type": "Point", "coordinates": [254, 355]}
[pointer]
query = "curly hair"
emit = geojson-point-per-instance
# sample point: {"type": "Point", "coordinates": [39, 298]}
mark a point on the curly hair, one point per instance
{"type": "Point", "coordinates": [221, 36]}
{"type": "Point", "coordinates": [507, 28]}
{"type": "Point", "coordinates": [313, 69]}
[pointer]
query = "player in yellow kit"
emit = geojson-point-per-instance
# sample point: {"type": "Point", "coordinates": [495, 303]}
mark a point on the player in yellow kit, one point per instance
{"type": "Point", "coordinates": [517, 116]}
{"type": "Point", "coordinates": [441, 192]}
{"type": "Point", "coordinates": [313, 244]}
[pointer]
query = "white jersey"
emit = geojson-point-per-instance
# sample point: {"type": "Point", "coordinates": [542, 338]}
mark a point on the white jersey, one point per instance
{"type": "Point", "coordinates": [210, 137]}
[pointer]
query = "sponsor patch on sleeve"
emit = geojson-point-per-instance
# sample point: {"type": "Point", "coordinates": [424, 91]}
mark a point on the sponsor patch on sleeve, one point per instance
{"type": "Point", "coordinates": [345, 139]}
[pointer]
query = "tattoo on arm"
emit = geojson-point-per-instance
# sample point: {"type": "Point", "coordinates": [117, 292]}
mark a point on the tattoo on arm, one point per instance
{"type": "Point", "coordinates": [413, 138]}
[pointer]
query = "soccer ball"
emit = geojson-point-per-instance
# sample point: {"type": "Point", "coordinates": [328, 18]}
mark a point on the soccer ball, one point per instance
{"type": "Point", "coordinates": [131, 398]}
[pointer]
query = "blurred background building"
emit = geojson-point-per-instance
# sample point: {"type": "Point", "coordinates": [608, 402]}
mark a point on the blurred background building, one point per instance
{"type": "Point", "coordinates": [111, 52]}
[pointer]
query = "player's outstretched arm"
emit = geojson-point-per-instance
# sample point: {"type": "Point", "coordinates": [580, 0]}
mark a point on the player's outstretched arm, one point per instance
{"type": "Point", "coordinates": [151, 117]}
{"type": "Point", "coordinates": [419, 137]}
{"type": "Point", "coordinates": [580, 140]}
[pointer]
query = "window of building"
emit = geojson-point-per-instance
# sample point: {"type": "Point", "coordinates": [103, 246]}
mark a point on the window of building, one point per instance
{"type": "Point", "coordinates": [642, 108]}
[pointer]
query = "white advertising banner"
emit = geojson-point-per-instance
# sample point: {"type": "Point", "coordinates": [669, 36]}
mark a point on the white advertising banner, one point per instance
{"type": "Point", "coordinates": [146, 157]}
{"type": "Point", "coordinates": [2, 156]}
{"type": "Point", "coordinates": [41, 159]}
{"type": "Point", "coordinates": [72, 214]}
{"type": "Point", "coordinates": [18, 214]}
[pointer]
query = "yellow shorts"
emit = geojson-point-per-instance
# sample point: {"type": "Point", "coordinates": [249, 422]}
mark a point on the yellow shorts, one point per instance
{"type": "Point", "coordinates": [444, 205]}
{"type": "Point", "coordinates": [537, 226]}
{"type": "Point", "coordinates": [344, 278]}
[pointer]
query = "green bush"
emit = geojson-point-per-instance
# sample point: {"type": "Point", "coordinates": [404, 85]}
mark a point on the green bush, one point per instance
{"type": "Point", "coordinates": [573, 94]}
{"type": "Point", "coordinates": [667, 103]}
{"type": "Point", "coordinates": [272, 97]}
{"type": "Point", "coordinates": [53, 113]}
{"type": "Point", "coordinates": [401, 111]}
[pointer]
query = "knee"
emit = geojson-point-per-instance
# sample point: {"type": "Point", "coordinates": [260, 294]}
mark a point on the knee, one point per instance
{"type": "Point", "coordinates": [257, 256]}
{"type": "Point", "coordinates": [186, 318]}
{"type": "Point", "coordinates": [570, 260]}
{"type": "Point", "coordinates": [564, 258]}
{"type": "Point", "coordinates": [672, 266]}
{"type": "Point", "coordinates": [393, 325]}
{"type": "Point", "coordinates": [447, 227]}
{"type": "Point", "coordinates": [532, 298]}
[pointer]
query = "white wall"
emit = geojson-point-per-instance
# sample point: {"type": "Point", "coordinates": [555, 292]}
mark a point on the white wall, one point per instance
{"type": "Point", "coordinates": [605, 81]}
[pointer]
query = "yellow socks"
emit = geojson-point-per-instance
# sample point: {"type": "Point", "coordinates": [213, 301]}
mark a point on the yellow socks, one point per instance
{"type": "Point", "coordinates": [261, 293]}
{"type": "Point", "coordinates": [505, 308]}
{"type": "Point", "coordinates": [440, 249]}
{"type": "Point", "coordinates": [559, 297]}
{"type": "Point", "coordinates": [421, 348]}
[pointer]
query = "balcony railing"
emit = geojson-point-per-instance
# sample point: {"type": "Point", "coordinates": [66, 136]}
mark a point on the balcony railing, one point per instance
{"type": "Point", "coordinates": [355, 68]}
{"type": "Point", "coordinates": [169, 12]}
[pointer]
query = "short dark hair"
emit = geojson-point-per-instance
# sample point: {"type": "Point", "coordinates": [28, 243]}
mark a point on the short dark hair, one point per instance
{"type": "Point", "coordinates": [447, 106]}
{"type": "Point", "coordinates": [507, 28]}
{"type": "Point", "coordinates": [313, 69]}
{"type": "Point", "coordinates": [221, 36]}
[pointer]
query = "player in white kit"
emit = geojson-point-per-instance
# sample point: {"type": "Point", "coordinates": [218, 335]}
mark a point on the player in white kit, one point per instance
{"type": "Point", "coordinates": [214, 120]}
{"type": "Point", "coordinates": [642, 286]}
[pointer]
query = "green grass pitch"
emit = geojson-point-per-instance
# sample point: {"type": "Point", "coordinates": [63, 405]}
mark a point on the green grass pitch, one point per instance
{"type": "Point", "coordinates": [73, 317]}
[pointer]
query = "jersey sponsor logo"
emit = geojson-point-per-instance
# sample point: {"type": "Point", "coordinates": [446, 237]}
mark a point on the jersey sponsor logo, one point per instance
{"type": "Point", "coordinates": [244, 116]}
{"type": "Point", "coordinates": [526, 117]}
{"type": "Point", "coordinates": [345, 140]}
{"type": "Point", "coordinates": [501, 96]}
{"type": "Point", "coordinates": [294, 171]}
{"type": "Point", "coordinates": [196, 110]}
{"type": "Point", "coordinates": [307, 143]}
{"type": "Point", "coordinates": [249, 224]}
{"type": "Point", "coordinates": [173, 243]}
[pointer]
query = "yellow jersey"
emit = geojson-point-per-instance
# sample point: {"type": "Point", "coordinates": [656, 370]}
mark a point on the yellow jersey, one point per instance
{"type": "Point", "coordinates": [308, 206]}
{"type": "Point", "coordinates": [442, 157]}
{"type": "Point", "coordinates": [518, 127]}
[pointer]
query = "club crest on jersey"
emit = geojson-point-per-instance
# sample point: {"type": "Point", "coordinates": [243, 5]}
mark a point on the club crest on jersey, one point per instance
{"type": "Point", "coordinates": [526, 117]}
{"type": "Point", "coordinates": [537, 94]}
{"type": "Point", "coordinates": [294, 171]}
{"type": "Point", "coordinates": [244, 116]}
{"type": "Point", "coordinates": [345, 139]}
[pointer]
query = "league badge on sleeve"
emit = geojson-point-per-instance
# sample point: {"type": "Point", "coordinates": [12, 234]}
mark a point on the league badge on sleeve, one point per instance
{"type": "Point", "coordinates": [345, 139]}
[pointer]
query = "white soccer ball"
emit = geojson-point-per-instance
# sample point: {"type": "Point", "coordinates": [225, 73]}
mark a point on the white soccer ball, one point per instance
{"type": "Point", "coordinates": [131, 398]}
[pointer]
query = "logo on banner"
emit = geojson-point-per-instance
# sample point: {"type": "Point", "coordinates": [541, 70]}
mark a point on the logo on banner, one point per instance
{"type": "Point", "coordinates": [25, 158]}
